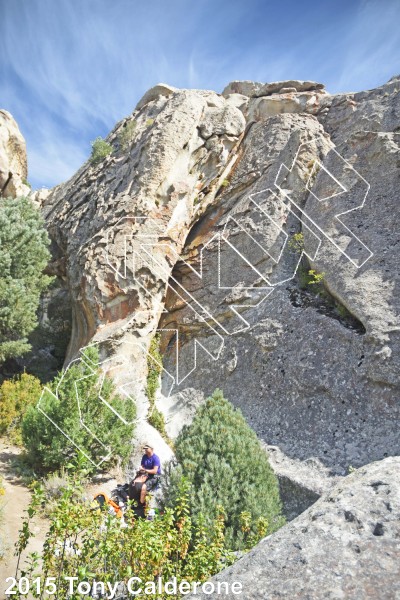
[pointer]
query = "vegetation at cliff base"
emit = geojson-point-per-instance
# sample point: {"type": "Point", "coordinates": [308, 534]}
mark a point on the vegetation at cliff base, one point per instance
{"type": "Point", "coordinates": [82, 540]}
{"type": "Point", "coordinates": [223, 460]}
{"type": "Point", "coordinates": [16, 395]}
{"type": "Point", "coordinates": [82, 403]}
{"type": "Point", "coordinates": [24, 254]}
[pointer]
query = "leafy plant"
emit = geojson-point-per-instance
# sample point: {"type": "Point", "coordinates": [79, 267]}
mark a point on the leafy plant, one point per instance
{"type": "Point", "coordinates": [315, 278]}
{"type": "Point", "coordinates": [127, 133]}
{"type": "Point", "coordinates": [86, 542]}
{"type": "Point", "coordinates": [223, 460]}
{"type": "Point", "coordinates": [225, 183]}
{"type": "Point", "coordinates": [84, 404]}
{"type": "Point", "coordinates": [100, 149]}
{"type": "Point", "coordinates": [149, 122]}
{"type": "Point", "coordinates": [26, 182]}
{"type": "Point", "coordinates": [16, 396]}
{"type": "Point", "coordinates": [296, 243]}
{"type": "Point", "coordinates": [154, 370]}
{"type": "Point", "coordinates": [23, 256]}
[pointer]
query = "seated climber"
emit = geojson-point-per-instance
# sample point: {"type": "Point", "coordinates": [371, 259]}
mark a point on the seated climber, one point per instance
{"type": "Point", "coordinates": [151, 464]}
{"type": "Point", "coordinates": [137, 493]}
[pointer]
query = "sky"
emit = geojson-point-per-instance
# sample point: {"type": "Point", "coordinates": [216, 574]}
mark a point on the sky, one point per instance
{"type": "Point", "coordinates": [70, 69]}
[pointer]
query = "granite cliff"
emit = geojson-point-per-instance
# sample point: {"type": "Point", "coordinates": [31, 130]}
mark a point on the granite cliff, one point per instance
{"type": "Point", "coordinates": [188, 227]}
{"type": "Point", "coordinates": [257, 231]}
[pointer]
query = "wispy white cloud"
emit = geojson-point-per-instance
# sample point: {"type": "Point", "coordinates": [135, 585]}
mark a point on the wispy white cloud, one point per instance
{"type": "Point", "coordinates": [72, 68]}
{"type": "Point", "coordinates": [372, 46]}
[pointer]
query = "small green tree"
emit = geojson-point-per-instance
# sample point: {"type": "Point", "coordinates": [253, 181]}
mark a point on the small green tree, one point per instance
{"type": "Point", "coordinates": [223, 460]}
{"type": "Point", "coordinates": [82, 403]}
{"type": "Point", "coordinates": [100, 149]}
{"type": "Point", "coordinates": [23, 256]}
{"type": "Point", "coordinates": [16, 396]}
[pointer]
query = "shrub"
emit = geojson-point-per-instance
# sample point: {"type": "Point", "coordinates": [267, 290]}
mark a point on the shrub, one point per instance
{"type": "Point", "coordinates": [16, 396]}
{"type": "Point", "coordinates": [98, 548]}
{"type": "Point", "coordinates": [225, 183]}
{"type": "Point", "coordinates": [100, 149]}
{"type": "Point", "coordinates": [54, 484]}
{"type": "Point", "coordinates": [296, 243]}
{"type": "Point", "coordinates": [223, 460]}
{"type": "Point", "coordinates": [90, 423]}
{"type": "Point", "coordinates": [126, 136]}
{"type": "Point", "coordinates": [154, 370]}
{"type": "Point", "coordinates": [149, 122]}
{"type": "Point", "coordinates": [23, 256]}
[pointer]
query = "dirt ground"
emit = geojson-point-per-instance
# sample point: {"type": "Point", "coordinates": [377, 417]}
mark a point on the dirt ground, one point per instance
{"type": "Point", "coordinates": [14, 502]}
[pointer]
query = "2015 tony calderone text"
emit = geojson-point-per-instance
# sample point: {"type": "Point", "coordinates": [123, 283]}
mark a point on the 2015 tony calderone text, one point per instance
{"type": "Point", "coordinates": [134, 586]}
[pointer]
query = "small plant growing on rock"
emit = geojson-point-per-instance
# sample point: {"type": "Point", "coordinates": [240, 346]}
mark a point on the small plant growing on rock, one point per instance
{"type": "Point", "coordinates": [225, 183]}
{"type": "Point", "coordinates": [100, 149]}
{"type": "Point", "coordinates": [296, 243]}
{"type": "Point", "coordinates": [149, 122]}
{"type": "Point", "coordinates": [315, 278]}
{"type": "Point", "coordinates": [154, 370]}
{"type": "Point", "coordinates": [126, 136]}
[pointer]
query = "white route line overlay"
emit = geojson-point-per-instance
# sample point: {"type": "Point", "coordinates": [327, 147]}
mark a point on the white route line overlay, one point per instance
{"type": "Point", "coordinates": [165, 274]}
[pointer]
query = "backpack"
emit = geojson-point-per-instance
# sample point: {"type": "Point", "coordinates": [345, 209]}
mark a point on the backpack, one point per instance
{"type": "Point", "coordinates": [105, 502]}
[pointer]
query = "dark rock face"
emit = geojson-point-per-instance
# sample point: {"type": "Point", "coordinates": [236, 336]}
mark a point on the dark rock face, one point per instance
{"type": "Point", "coordinates": [345, 546]}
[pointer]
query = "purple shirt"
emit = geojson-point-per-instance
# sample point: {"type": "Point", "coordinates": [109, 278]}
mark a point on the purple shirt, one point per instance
{"type": "Point", "coordinates": [149, 462]}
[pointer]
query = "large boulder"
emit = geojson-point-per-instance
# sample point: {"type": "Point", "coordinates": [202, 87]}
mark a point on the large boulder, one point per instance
{"type": "Point", "coordinates": [13, 162]}
{"type": "Point", "coordinates": [347, 545]}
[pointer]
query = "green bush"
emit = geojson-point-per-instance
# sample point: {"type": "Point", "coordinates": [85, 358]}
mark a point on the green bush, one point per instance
{"type": "Point", "coordinates": [90, 423]}
{"type": "Point", "coordinates": [168, 546]}
{"type": "Point", "coordinates": [154, 370]}
{"type": "Point", "coordinates": [126, 136]}
{"type": "Point", "coordinates": [296, 243]}
{"type": "Point", "coordinates": [16, 396]}
{"type": "Point", "coordinates": [223, 460]}
{"type": "Point", "coordinates": [157, 420]}
{"type": "Point", "coordinates": [23, 256]}
{"type": "Point", "coordinates": [100, 149]}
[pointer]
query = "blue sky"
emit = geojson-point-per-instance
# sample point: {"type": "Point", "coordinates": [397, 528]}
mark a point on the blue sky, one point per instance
{"type": "Point", "coordinates": [69, 69]}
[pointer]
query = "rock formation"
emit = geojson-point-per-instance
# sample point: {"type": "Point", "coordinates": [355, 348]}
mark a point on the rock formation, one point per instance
{"type": "Point", "coordinates": [13, 163]}
{"type": "Point", "coordinates": [188, 225]}
{"type": "Point", "coordinates": [257, 230]}
{"type": "Point", "coordinates": [316, 376]}
{"type": "Point", "coordinates": [345, 546]}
